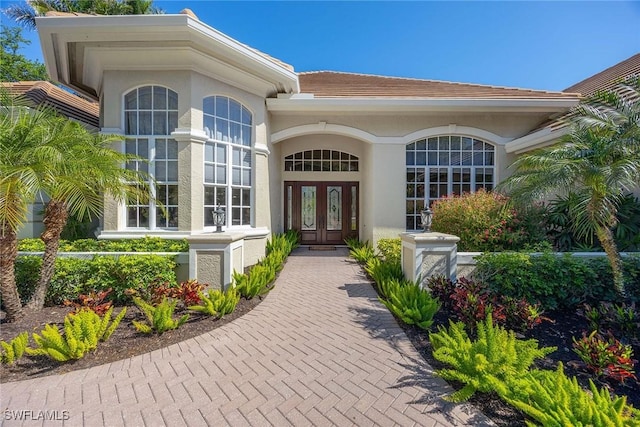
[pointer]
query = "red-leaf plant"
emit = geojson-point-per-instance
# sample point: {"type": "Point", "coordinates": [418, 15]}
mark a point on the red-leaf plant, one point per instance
{"type": "Point", "coordinates": [605, 357]}
{"type": "Point", "coordinates": [94, 301]}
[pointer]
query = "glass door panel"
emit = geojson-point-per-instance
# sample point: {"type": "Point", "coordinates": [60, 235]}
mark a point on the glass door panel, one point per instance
{"type": "Point", "coordinates": [309, 217]}
{"type": "Point", "coordinates": [334, 208]}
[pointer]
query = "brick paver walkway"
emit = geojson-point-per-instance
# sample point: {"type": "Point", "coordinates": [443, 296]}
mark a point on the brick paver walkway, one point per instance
{"type": "Point", "coordinates": [320, 350]}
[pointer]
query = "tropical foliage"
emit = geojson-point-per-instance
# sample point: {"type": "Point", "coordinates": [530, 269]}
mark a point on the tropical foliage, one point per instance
{"type": "Point", "coordinates": [487, 363]}
{"type": "Point", "coordinates": [42, 153]}
{"type": "Point", "coordinates": [82, 332]}
{"type": "Point", "coordinates": [159, 317]}
{"type": "Point", "coordinates": [26, 13]}
{"type": "Point", "coordinates": [15, 67]}
{"type": "Point", "coordinates": [598, 161]}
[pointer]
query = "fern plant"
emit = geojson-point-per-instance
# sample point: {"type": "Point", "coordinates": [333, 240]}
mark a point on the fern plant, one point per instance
{"type": "Point", "coordinates": [217, 303]}
{"type": "Point", "coordinates": [412, 304]}
{"type": "Point", "coordinates": [160, 317]}
{"type": "Point", "coordinates": [82, 332]}
{"type": "Point", "coordinates": [555, 400]}
{"type": "Point", "coordinates": [486, 363]}
{"type": "Point", "coordinates": [14, 349]}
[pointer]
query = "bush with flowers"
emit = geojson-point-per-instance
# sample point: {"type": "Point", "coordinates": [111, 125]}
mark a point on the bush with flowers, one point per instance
{"type": "Point", "coordinates": [485, 222]}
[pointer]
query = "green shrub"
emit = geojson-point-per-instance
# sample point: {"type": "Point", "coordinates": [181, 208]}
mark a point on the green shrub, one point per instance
{"type": "Point", "coordinates": [555, 400]}
{"type": "Point", "coordinates": [136, 272]}
{"type": "Point", "coordinates": [217, 303]}
{"type": "Point", "coordinates": [82, 332]}
{"type": "Point", "coordinates": [412, 304]}
{"type": "Point", "coordinates": [68, 281]}
{"type": "Point", "coordinates": [14, 349]}
{"type": "Point", "coordinates": [486, 364]}
{"type": "Point", "coordinates": [146, 244]}
{"type": "Point", "coordinates": [555, 281]}
{"type": "Point", "coordinates": [381, 271]}
{"type": "Point", "coordinates": [390, 250]}
{"type": "Point", "coordinates": [160, 317]}
{"type": "Point", "coordinates": [75, 276]}
{"type": "Point", "coordinates": [484, 222]}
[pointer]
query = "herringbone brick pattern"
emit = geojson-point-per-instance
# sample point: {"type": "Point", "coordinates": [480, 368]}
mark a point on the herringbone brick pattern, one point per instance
{"type": "Point", "coordinates": [320, 350]}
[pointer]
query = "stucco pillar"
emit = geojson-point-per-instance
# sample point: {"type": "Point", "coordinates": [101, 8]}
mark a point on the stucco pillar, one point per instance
{"type": "Point", "coordinates": [429, 254]}
{"type": "Point", "coordinates": [190, 178]}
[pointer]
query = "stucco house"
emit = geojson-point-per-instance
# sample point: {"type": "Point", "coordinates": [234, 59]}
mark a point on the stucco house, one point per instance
{"type": "Point", "coordinates": [329, 154]}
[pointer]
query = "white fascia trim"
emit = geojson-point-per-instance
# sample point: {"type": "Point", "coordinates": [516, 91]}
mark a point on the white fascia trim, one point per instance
{"type": "Point", "coordinates": [58, 30]}
{"type": "Point", "coordinates": [534, 140]}
{"type": "Point", "coordinates": [296, 104]}
{"type": "Point", "coordinates": [242, 52]}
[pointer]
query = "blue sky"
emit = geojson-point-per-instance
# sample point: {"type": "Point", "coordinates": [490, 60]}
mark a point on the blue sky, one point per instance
{"type": "Point", "coordinates": [541, 45]}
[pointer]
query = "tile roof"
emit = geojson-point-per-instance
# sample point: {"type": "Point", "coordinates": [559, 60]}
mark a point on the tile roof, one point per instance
{"type": "Point", "coordinates": [65, 103]}
{"type": "Point", "coordinates": [608, 78]}
{"type": "Point", "coordinates": [604, 80]}
{"type": "Point", "coordinates": [330, 84]}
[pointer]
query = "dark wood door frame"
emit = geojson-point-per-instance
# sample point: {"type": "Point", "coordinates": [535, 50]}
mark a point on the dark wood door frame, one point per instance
{"type": "Point", "coordinates": [318, 232]}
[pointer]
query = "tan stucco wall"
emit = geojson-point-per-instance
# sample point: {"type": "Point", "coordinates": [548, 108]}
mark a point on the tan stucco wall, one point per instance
{"type": "Point", "coordinates": [382, 173]}
{"type": "Point", "coordinates": [507, 125]}
{"type": "Point", "coordinates": [254, 249]}
{"type": "Point", "coordinates": [209, 269]}
{"type": "Point", "coordinates": [192, 88]}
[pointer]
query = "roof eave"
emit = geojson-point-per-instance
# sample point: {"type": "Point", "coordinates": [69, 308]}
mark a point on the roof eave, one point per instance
{"type": "Point", "coordinates": [307, 103]}
{"type": "Point", "coordinates": [57, 32]}
{"type": "Point", "coordinates": [535, 140]}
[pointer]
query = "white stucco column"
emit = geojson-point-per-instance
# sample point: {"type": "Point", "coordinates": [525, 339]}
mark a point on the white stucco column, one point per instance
{"type": "Point", "coordinates": [190, 178]}
{"type": "Point", "coordinates": [429, 254]}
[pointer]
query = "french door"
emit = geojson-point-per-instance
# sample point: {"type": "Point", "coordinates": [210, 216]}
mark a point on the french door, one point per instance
{"type": "Point", "coordinates": [323, 212]}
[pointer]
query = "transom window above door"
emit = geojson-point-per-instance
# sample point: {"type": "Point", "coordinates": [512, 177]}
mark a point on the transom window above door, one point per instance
{"type": "Point", "coordinates": [321, 161]}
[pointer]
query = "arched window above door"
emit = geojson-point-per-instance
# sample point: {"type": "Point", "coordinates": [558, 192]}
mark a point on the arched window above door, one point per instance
{"type": "Point", "coordinates": [321, 161]}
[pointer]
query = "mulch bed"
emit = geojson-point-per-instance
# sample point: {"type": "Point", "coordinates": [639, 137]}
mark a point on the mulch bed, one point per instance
{"type": "Point", "coordinates": [127, 342]}
{"type": "Point", "coordinates": [124, 343]}
{"type": "Point", "coordinates": [557, 332]}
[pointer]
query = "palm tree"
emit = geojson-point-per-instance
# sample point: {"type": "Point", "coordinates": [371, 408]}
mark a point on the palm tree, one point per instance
{"type": "Point", "coordinates": [86, 170]}
{"type": "Point", "coordinates": [26, 13]}
{"type": "Point", "coordinates": [598, 162]}
{"type": "Point", "coordinates": [74, 168]}
{"type": "Point", "coordinates": [20, 133]}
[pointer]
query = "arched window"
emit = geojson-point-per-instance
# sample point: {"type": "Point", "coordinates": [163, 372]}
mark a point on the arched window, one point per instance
{"type": "Point", "coordinates": [150, 115]}
{"type": "Point", "coordinates": [321, 161]}
{"type": "Point", "coordinates": [444, 165]}
{"type": "Point", "coordinates": [227, 160]}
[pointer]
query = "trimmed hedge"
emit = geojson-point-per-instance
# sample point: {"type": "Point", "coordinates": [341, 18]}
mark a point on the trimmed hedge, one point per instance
{"type": "Point", "coordinates": [74, 276]}
{"type": "Point", "coordinates": [555, 281]}
{"type": "Point", "coordinates": [146, 244]}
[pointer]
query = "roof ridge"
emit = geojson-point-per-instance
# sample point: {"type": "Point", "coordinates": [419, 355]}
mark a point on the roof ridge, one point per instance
{"type": "Point", "coordinates": [435, 81]}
